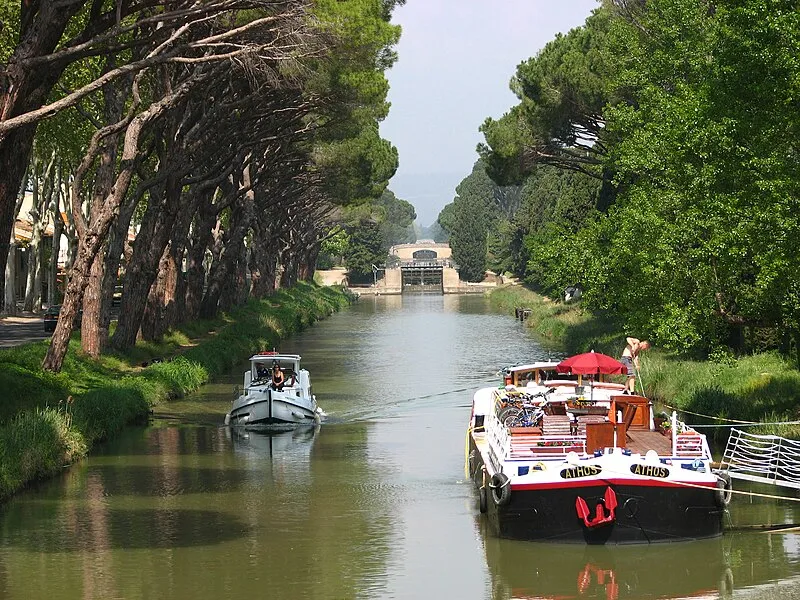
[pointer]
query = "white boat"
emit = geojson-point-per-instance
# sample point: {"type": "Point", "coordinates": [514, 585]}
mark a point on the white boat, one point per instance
{"type": "Point", "coordinates": [265, 404]}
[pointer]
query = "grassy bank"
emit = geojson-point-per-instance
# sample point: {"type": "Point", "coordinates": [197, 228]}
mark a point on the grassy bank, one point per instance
{"type": "Point", "coordinates": [50, 420]}
{"type": "Point", "coordinates": [761, 387]}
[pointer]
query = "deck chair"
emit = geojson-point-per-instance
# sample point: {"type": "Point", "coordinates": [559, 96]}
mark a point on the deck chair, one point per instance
{"type": "Point", "coordinates": [627, 416]}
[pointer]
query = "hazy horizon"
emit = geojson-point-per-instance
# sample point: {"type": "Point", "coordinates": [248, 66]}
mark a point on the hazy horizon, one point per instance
{"type": "Point", "coordinates": [456, 58]}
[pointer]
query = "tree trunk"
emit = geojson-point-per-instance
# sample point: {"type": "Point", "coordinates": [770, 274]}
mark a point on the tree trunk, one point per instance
{"type": "Point", "coordinates": [153, 314]}
{"type": "Point", "coordinates": [95, 236]}
{"type": "Point", "coordinates": [35, 219]}
{"type": "Point", "coordinates": [173, 296]}
{"type": "Point", "coordinates": [222, 268]}
{"type": "Point", "coordinates": [58, 227]}
{"type": "Point", "coordinates": [202, 235]}
{"type": "Point", "coordinates": [235, 291]}
{"type": "Point", "coordinates": [151, 241]}
{"type": "Point", "coordinates": [289, 262]}
{"type": "Point", "coordinates": [91, 335]}
{"type": "Point", "coordinates": [21, 90]}
{"type": "Point", "coordinates": [308, 263]}
{"type": "Point", "coordinates": [15, 148]}
{"type": "Point", "coordinates": [263, 261]}
{"type": "Point", "coordinates": [10, 299]}
{"type": "Point", "coordinates": [171, 277]}
{"type": "Point", "coordinates": [38, 276]}
{"type": "Point", "coordinates": [115, 250]}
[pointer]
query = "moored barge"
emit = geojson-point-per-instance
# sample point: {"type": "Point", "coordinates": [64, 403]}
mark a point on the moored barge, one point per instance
{"type": "Point", "coordinates": [590, 472]}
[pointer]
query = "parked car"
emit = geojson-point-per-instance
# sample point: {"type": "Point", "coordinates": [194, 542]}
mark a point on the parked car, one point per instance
{"type": "Point", "coordinates": [51, 317]}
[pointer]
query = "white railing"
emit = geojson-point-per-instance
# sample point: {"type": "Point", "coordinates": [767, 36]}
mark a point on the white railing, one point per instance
{"type": "Point", "coordinates": [686, 442]}
{"type": "Point", "coordinates": [763, 458]}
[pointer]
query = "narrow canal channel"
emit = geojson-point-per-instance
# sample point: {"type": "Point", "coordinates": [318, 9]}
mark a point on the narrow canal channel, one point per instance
{"type": "Point", "coordinates": [371, 505]}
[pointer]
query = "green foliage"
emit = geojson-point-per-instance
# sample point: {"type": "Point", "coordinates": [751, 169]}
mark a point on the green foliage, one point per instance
{"type": "Point", "coordinates": [354, 161]}
{"type": "Point", "coordinates": [366, 248]}
{"type": "Point", "coordinates": [447, 219]}
{"type": "Point", "coordinates": [333, 248]}
{"type": "Point", "coordinates": [563, 93]}
{"type": "Point", "coordinates": [692, 113]}
{"type": "Point", "coordinates": [179, 375]}
{"type": "Point", "coordinates": [101, 413]}
{"type": "Point", "coordinates": [397, 220]}
{"type": "Point", "coordinates": [474, 211]}
{"type": "Point", "coordinates": [703, 236]}
{"type": "Point", "coordinates": [372, 228]}
{"type": "Point", "coordinates": [34, 445]}
{"type": "Point", "coordinates": [357, 169]}
{"type": "Point", "coordinates": [9, 33]}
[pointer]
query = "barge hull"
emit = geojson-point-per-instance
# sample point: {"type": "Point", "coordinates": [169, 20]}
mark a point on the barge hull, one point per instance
{"type": "Point", "coordinates": [644, 513]}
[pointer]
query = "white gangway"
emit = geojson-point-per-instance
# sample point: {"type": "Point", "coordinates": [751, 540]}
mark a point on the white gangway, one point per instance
{"type": "Point", "coordinates": [762, 458]}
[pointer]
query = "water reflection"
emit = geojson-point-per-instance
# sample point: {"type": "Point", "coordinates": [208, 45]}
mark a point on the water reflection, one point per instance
{"type": "Point", "coordinates": [548, 571]}
{"type": "Point", "coordinates": [745, 565]}
{"type": "Point", "coordinates": [295, 444]}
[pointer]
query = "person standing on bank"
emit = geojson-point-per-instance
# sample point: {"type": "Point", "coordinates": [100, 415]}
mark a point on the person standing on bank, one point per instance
{"type": "Point", "coordinates": [630, 358]}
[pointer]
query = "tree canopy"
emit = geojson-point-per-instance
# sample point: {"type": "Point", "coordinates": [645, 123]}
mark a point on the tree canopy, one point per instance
{"type": "Point", "coordinates": [686, 116]}
{"type": "Point", "coordinates": [229, 129]}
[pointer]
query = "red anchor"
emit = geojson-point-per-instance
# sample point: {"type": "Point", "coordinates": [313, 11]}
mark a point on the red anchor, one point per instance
{"type": "Point", "coordinates": [600, 518]}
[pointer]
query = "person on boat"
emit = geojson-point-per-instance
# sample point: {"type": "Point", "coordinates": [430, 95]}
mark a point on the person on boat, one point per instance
{"type": "Point", "coordinates": [262, 372]}
{"type": "Point", "coordinates": [630, 358]}
{"type": "Point", "coordinates": [278, 378]}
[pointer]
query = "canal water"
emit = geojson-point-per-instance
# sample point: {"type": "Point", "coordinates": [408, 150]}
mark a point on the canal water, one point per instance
{"type": "Point", "coordinates": [371, 505]}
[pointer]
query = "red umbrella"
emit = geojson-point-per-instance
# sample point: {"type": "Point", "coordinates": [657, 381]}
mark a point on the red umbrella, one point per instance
{"type": "Point", "coordinates": [591, 363]}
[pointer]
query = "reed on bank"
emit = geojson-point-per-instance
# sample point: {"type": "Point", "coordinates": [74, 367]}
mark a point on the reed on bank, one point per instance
{"type": "Point", "coordinates": [721, 391]}
{"type": "Point", "coordinates": [50, 420]}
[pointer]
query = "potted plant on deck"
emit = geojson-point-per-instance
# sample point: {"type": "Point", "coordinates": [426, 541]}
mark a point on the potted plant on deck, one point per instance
{"type": "Point", "coordinates": [662, 423]}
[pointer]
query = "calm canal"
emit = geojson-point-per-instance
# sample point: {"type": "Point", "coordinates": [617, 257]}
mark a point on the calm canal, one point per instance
{"type": "Point", "coordinates": [372, 505]}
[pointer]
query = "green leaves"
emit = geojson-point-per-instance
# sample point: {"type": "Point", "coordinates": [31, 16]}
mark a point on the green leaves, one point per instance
{"type": "Point", "coordinates": [559, 121]}
{"type": "Point", "coordinates": [708, 147]}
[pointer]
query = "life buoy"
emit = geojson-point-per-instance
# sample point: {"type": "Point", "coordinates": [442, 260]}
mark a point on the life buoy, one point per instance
{"type": "Point", "coordinates": [482, 500]}
{"type": "Point", "coordinates": [724, 491]}
{"type": "Point", "coordinates": [501, 489]}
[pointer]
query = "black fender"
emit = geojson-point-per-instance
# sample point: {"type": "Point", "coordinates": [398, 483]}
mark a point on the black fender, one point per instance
{"type": "Point", "coordinates": [483, 505]}
{"type": "Point", "coordinates": [501, 489]}
{"type": "Point", "coordinates": [724, 491]}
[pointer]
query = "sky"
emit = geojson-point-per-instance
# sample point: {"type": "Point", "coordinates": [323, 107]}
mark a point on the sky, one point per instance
{"type": "Point", "coordinates": [456, 58]}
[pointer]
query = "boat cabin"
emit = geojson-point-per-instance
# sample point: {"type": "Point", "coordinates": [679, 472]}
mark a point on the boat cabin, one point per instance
{"type": "Point", "coordinates": [531, 374]}
{"type": "Point", "coordinates": [544, 375]}
{"type": "Point", "coordinates": [261, 365]}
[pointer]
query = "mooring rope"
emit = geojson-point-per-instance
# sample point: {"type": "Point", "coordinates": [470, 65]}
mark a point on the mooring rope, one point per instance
{"type": "Point", "coordinates": [730, 422]}
{"type": "Point", "coordinates": [705, 487]}
{"type": "Point", "coordinates": [747, 424]}
{"type": "Point", "coordinates": [688, 412]}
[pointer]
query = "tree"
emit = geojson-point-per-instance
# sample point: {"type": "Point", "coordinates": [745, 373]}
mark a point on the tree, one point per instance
{"type": "Point", "coordinates": [366, 248]}
{"type": "Point", "coordinates": [475, 210]}
{"type": "Point", "coordinates": [701, 245]}
{"type": "Point", "coordinates": [563, 92]}
{"type": "Point", "coordinates": [397, 219]}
